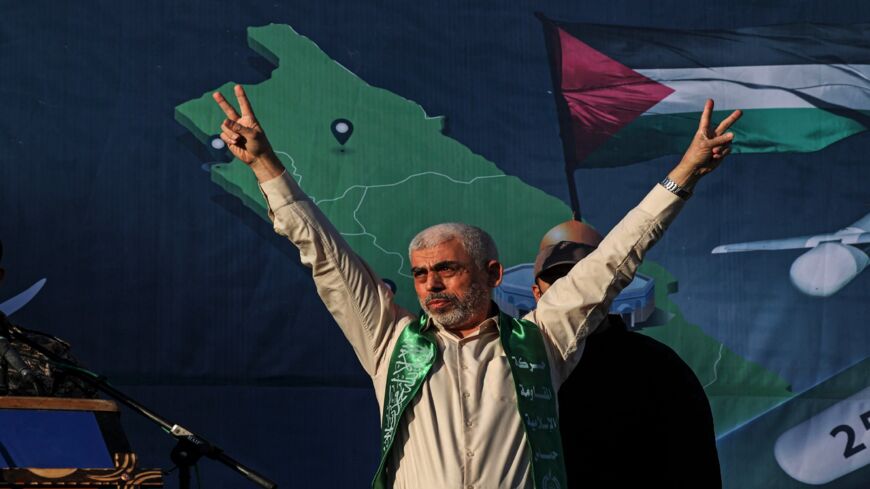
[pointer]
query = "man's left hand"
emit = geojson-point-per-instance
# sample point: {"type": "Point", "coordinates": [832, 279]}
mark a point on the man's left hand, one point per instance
{"type": "Point", "coordinates": [707, 150]}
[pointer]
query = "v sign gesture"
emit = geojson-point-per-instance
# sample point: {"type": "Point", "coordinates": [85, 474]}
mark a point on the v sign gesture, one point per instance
{"type": "Point", "coordinates": [245, 138]}
{"type": "Point", "coordinates": [243, 135]}
{"type": "Point", "coordinates": [707, 149]}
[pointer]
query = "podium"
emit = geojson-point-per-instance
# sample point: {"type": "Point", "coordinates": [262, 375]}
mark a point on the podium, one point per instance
{"type": "Point", "coordinates": [54, 443]}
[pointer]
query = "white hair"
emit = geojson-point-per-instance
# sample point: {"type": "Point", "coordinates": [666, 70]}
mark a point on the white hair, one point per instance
{"type": "Point", "coordinates": [477, 242]}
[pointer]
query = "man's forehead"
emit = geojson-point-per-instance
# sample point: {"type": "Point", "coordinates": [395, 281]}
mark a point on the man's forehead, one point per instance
{"type": "Point", "coordinates": [450, 250]}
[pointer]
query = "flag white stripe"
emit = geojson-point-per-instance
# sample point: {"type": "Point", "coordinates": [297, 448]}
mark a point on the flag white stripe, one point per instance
{"type": "Point", "coordinates": [762, 87]}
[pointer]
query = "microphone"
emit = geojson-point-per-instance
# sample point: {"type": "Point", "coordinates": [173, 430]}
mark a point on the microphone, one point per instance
{"type": "Point", "coordinates": [10, 356]}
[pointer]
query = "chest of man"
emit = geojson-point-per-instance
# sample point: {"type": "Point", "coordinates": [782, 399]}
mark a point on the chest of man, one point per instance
{"type": "Point", "coordinates": [464, 428]}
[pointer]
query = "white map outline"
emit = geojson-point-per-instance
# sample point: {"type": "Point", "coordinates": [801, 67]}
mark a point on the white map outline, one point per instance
{"type": "Point", "coordinates": [365, 188]}
{"type": "Point", "coordinates": [716, 367]}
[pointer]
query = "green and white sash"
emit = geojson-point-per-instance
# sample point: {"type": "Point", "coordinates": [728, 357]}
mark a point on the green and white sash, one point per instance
{"type": "Point", "coordinates": [415, 353]}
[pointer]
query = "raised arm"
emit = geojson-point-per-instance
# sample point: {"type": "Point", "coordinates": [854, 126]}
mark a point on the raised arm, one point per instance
{"type": "Point", "coordinates": [575, 304]}
{"type": "Point", "coordinates": [360, 302]}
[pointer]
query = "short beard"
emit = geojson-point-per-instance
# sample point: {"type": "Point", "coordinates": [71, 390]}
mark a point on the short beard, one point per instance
{"type": "Point", "coordinates": [477, 297]}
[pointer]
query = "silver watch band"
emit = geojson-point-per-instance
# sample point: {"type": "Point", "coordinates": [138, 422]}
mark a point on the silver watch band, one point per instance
{"type": "Point", "coordinates": [675, 189]}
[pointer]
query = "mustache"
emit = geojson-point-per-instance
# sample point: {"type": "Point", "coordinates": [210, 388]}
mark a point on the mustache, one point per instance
{"type": "Point", "coordinates": [441, 296]}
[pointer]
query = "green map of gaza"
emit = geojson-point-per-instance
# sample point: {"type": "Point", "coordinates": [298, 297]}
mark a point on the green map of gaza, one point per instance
{"type": "Point", "coordinates": [399, 173]}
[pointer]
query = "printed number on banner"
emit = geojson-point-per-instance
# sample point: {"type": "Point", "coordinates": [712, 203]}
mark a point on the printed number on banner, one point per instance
{"type": "Point", "coordinates": [851, 447]}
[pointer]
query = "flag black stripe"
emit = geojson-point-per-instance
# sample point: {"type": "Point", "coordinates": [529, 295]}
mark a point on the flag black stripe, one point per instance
{"type": "Point", "coordinates": [643, 47]}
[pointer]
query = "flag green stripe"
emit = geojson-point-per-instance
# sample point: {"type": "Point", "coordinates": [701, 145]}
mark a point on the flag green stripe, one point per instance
{"type": "Point", "coordinates": [758, 131]}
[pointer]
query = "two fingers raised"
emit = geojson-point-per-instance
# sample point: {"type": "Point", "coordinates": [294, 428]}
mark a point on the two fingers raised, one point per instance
{"type": "Point", "coordinates": [706, 116]}
{"type": "Point", "coordinates": [241, 98]}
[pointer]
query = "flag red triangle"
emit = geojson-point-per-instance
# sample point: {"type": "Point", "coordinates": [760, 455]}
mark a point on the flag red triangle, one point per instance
{"type": "Point", "coordinates": [602, 94]}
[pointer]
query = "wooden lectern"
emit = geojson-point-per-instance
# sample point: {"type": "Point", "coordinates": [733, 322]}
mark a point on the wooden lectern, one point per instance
{"type": "Point", "coordinates": [55, 443]}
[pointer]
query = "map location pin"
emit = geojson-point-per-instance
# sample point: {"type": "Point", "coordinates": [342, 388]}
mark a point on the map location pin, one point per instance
{"type": "Point", "coordinates": [341, 129]}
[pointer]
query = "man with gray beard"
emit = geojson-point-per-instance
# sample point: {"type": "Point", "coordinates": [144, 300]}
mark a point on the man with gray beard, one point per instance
{"type": "Point", "coordinates": [445, 307]}
{"type": "Point", "coordinates": [467, 393]}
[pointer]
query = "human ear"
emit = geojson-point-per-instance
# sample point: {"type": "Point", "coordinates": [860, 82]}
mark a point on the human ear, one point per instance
{"type": "Point", "coordinates": [495, 273]}
{"type": "Point", "coordinates": [536, 291]}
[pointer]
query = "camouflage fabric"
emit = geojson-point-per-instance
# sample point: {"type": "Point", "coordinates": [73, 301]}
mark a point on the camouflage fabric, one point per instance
{"type": "Point", "coordinates": [54, 382]}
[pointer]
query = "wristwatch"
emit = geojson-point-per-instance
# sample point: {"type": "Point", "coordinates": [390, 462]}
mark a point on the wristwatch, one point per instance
{"type": "Point", "coordinates": [675, 189]}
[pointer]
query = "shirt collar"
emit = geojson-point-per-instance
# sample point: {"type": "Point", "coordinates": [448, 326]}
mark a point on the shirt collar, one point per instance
{"type": "Point", "coordinates": [486, 325]}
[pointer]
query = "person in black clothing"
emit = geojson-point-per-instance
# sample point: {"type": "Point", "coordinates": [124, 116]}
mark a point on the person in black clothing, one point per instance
{"type": "Point", "coordinates": [43, 378]}
{"type": "Point", "coordinates": [638, 414]}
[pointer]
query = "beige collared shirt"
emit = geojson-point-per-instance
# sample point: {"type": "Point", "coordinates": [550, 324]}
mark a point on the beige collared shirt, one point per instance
{"type": "Point", "coordinates": [463, 430]}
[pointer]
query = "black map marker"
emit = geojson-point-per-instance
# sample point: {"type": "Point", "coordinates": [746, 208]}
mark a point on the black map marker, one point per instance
{"type": "Point", "coordinates": [341, 129]}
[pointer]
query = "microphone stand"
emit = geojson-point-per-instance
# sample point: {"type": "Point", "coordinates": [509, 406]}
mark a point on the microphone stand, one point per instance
{"type": "Point", "coordinates": [189, 448]}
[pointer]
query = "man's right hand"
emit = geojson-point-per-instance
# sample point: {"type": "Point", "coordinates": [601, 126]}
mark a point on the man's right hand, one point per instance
{"type": "Point", "coordinates": [245, 138]}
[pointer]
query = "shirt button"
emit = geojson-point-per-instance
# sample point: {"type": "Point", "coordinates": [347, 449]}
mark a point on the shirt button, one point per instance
{"type": "Point", "coordinates": [469, 454]}
{"type": "Point", "coordinates": [469, 486]}
{"type": "Point", "coordinates": [468, 423]}
{"type": "Point", "coordinates": [466, 395]}
{"type": "Point", "coordinates": [465, 367]}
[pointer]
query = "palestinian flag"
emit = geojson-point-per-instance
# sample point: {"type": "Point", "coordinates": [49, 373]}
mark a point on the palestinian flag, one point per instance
{"type": "Point", "coordinates": [630, 94]}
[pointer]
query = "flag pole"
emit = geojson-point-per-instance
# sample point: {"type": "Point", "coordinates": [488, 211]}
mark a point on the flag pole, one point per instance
{"type": "Point", "coordinates": [572, 192]}
{"type": "Point", "coordinates": [565, 133]}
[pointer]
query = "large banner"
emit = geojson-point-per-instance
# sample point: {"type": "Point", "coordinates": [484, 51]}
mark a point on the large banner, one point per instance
{"type": "Point", "coordinates": [129, 230]}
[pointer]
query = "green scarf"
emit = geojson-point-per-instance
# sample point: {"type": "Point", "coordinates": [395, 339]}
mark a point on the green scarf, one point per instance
{"type": "Point", "coordinates": [413, 357]}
